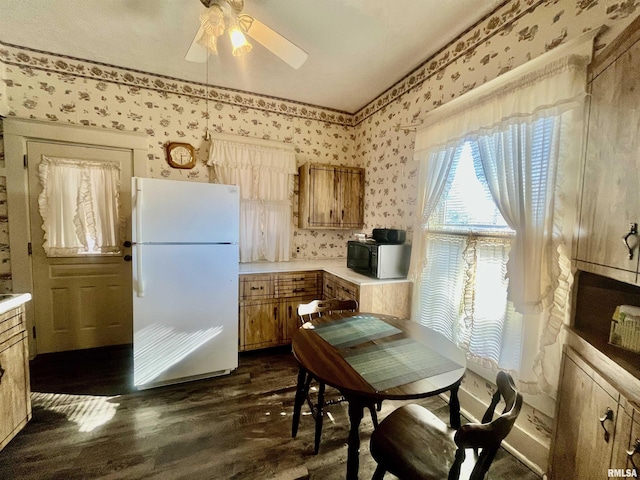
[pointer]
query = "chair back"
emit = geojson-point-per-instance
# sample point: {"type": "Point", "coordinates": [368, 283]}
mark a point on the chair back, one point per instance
{"type": "Point", "coordinates": [489, 434]}
{"type": "Point", "coordinates": [318, 308]}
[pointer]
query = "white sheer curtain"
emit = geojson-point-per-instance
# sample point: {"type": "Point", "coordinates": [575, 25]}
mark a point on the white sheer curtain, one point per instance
{"type": "Point", "coordinates": [265, 178]}
{"type": "Point", "coordinates": [79, 205]}
{"type": "Point", "coordinates": [542, 100]}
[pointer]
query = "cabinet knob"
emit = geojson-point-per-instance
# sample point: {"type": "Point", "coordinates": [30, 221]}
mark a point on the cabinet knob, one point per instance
{"type": "Point", "coordinates": [607, 416]}
{"type": "Point", "coordinates": [1, 373]}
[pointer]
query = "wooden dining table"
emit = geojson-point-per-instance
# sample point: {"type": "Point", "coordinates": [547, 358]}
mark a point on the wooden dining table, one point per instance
{"type": "Point", "coordinates": [371, 357]}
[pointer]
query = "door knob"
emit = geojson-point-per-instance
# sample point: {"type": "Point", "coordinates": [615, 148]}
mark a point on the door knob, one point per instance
{"type": "Point", "coordinates": [633, 231]}
{"type": "Point", "coordinates": [127, 258]}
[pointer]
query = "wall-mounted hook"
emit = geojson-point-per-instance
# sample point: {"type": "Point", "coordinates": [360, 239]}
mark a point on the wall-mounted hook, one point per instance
{"type": "Point", "coordinates": [633, 230]}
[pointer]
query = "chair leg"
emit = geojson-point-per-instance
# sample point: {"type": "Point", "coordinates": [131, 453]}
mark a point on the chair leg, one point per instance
{"type": "Point", "coordinates": [374, 415]}
{"type": "Point", "coordinates": [319, 417]}
{"type": "Point", "coordinates": [299, 400]}
{"type": "Point", "coordinates": [379, 473]}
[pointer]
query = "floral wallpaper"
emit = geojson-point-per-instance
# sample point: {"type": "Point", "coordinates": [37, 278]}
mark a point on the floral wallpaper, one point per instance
{"type": "Point", "coordinates": [379, 137]}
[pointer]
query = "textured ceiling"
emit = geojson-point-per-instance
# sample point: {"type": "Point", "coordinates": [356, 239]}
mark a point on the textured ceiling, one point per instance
{"type": "Point", "coordinates": [357, 48]}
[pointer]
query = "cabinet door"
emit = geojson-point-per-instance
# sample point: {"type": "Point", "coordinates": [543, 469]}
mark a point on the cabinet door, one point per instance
{"type": "Point", "coordinates": [289, 315]}
{"type": "Point", "coordinates": [323, 194]}
{"type": "Point", "coordinates": [627, 437]}
{"type": "Point", "coordinates": [580, 447]}
{"type": "Point", "coordinates": [610, 193]}
{"type": "Point", "coordinates": [260, 324]}
{"type": "Point", "coordinates": [350, 184]}
{"type": "Point", "coordinates": [15, 403]}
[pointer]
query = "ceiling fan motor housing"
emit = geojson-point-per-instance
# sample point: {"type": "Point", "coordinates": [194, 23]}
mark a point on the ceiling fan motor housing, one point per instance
{"type": "Point", "coordinates": [236, 5]}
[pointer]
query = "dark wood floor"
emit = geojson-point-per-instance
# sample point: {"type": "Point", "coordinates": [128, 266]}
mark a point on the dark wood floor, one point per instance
{"type": "Point", "coordinates": [89, 423]}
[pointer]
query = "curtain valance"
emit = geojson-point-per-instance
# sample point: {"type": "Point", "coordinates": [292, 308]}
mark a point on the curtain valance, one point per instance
{"type": "Point", "coordinates": [547, 85]}
{"type": "Point", "coordinates": [244, 156]}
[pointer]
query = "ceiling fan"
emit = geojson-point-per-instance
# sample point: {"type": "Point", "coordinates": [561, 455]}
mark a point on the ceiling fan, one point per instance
{"type": "Point", "coordinates": [226, 15]}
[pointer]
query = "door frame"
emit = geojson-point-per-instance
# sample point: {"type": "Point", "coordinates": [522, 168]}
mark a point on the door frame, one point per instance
{"type": "Point", "coordinates": [17, 132]}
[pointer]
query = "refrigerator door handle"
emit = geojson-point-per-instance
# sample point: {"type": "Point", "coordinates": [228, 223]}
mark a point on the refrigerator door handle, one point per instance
{"type": "Point", "coordinates": [137, 245]}
{"type": "Point", "coordinates": [139, 270]}
{"type": "Point", "coordinates": [138, 209]}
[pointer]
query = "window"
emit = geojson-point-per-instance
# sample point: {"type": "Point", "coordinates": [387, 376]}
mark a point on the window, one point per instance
{"type": "Point", "coordinates": [80, 209]}
{"type": "Point", "coordinates": [265, 177]}
{"type": "Point", "coordinates": [464, 285]}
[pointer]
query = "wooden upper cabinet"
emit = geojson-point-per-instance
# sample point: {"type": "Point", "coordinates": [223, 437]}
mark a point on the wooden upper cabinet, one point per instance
{"type": "Point", "coordinates": [331, 196]}
{"type": "Point", "coordinates": [610, 191]}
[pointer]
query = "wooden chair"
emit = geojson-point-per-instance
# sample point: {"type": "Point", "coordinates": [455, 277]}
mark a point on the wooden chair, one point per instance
{"type": "Point", "coordinates": [412, 443]}
{"type": "Point", "coordinates": [307, 312]}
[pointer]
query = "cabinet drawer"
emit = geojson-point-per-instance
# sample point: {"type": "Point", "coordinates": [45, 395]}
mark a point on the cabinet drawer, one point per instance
{"type": "Point", "coordinates": [256, 286]}
{"type": "Point", "coordinates": [301, 284]}
{"type": "Point", "coordinates": [336, 287]}
{"type": "Point", "coordinates": [11, 323]}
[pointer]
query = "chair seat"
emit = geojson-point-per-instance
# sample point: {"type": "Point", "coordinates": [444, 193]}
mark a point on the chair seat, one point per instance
{"type": "Point", "coordinates": [412, 443]}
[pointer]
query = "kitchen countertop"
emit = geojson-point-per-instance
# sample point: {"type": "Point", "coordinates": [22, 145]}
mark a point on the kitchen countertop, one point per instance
{"type": "Point", "coordinates": [9, 301]}
{"type": "Point", "coordinates": [335, 266]}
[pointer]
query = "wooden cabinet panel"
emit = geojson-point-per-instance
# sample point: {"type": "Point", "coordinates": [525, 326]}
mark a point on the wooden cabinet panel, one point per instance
{"type": "Point", "coordinates": [322, 198]}
{"type": "Point", "coordinates": [330, 196]}
{"type": "Point", "coordinates": [289, 315]}
{"type": "Point", "coordinates": [610, 193]}
{"type": "Point", "coordinates": [584, 434]}
{"type": "Point", "coordinates": [260, 325]}
{"type": "Point", "coordinates": [387, 298]}
{"type": "Point", "coordinates": [626, 435]}
{"type": "Point", "coordinates": [350, 186]}
{"type": "Point", "coordinates": [15, 391]}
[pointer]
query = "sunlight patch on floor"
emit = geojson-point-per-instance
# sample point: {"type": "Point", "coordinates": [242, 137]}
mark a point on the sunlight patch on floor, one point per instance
{"type": "Point", "coordinates": [87, 411]}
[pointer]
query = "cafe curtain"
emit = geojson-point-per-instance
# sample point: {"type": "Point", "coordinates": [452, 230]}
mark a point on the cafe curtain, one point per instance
{"type": "Point", "coordinates": [265, 178]}
{"type": "Point", "coordinates": [542, 100]}
{"type": "Point", "coordinates": [79, 205]}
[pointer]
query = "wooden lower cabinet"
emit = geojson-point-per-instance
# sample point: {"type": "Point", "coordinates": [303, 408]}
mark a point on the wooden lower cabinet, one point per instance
{"type": "Point", "coordinates": [268, 306]}
{"type": "Point", "coordinates": [595, 424]}
{"type": "Point", "coordinates": [389, 298]}
{"type": "Point", "coordinates": [15, 390]}
{"type": "Point", "coordinates": [268, 302]}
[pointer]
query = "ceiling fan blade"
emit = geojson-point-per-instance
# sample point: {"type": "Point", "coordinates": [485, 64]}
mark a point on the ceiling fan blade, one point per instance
{"type": "Point", "coordinates": [273, 41]}
{"type": "Point", "coordinates": [197, 53]}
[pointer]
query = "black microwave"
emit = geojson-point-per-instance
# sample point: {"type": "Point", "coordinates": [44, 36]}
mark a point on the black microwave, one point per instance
{"type": "Point", "coordinates": [379, 260]}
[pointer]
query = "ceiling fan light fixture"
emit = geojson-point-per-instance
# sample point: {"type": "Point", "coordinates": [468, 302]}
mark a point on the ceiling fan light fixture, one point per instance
{"type": "Point", "coordinates": [239, 41]}
{"type": "Point", "coordinates": [210, 42]}
{"type": "Point", "coordinates": [212, 21]}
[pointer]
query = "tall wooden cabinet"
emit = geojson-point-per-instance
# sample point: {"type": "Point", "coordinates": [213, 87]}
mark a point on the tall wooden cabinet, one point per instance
{"type": "Point", "coordinates": [598, 403]}
{"type": "Point", "coordinates": [330, 196]}
{"type": "Point", "coordinates": [15, 391]}
{"type": "Point", "coordinates": [610, 191]}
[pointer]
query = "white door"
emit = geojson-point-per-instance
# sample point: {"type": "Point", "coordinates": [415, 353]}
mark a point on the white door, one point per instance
{"type": "Point", "coordinates": [81, 301]}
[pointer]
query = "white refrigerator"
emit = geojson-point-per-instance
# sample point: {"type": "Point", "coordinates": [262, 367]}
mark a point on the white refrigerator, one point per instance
{"type": "Point", "coordinates": [185, 280]}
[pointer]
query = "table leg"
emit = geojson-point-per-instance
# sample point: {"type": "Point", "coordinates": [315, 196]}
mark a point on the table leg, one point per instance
{"type": "Point", "coordinates": [299, 400]}
{"type": "Point", "coordinates": [454, 407]}
{"type": "Point", "coordinates": [356, 412]}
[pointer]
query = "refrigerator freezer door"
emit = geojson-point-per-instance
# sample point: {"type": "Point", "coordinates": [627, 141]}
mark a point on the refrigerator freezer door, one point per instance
{"type": "Point", "coordinates": [186, 324]}
{"type": "Point", "coordinates": [169, 211]}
